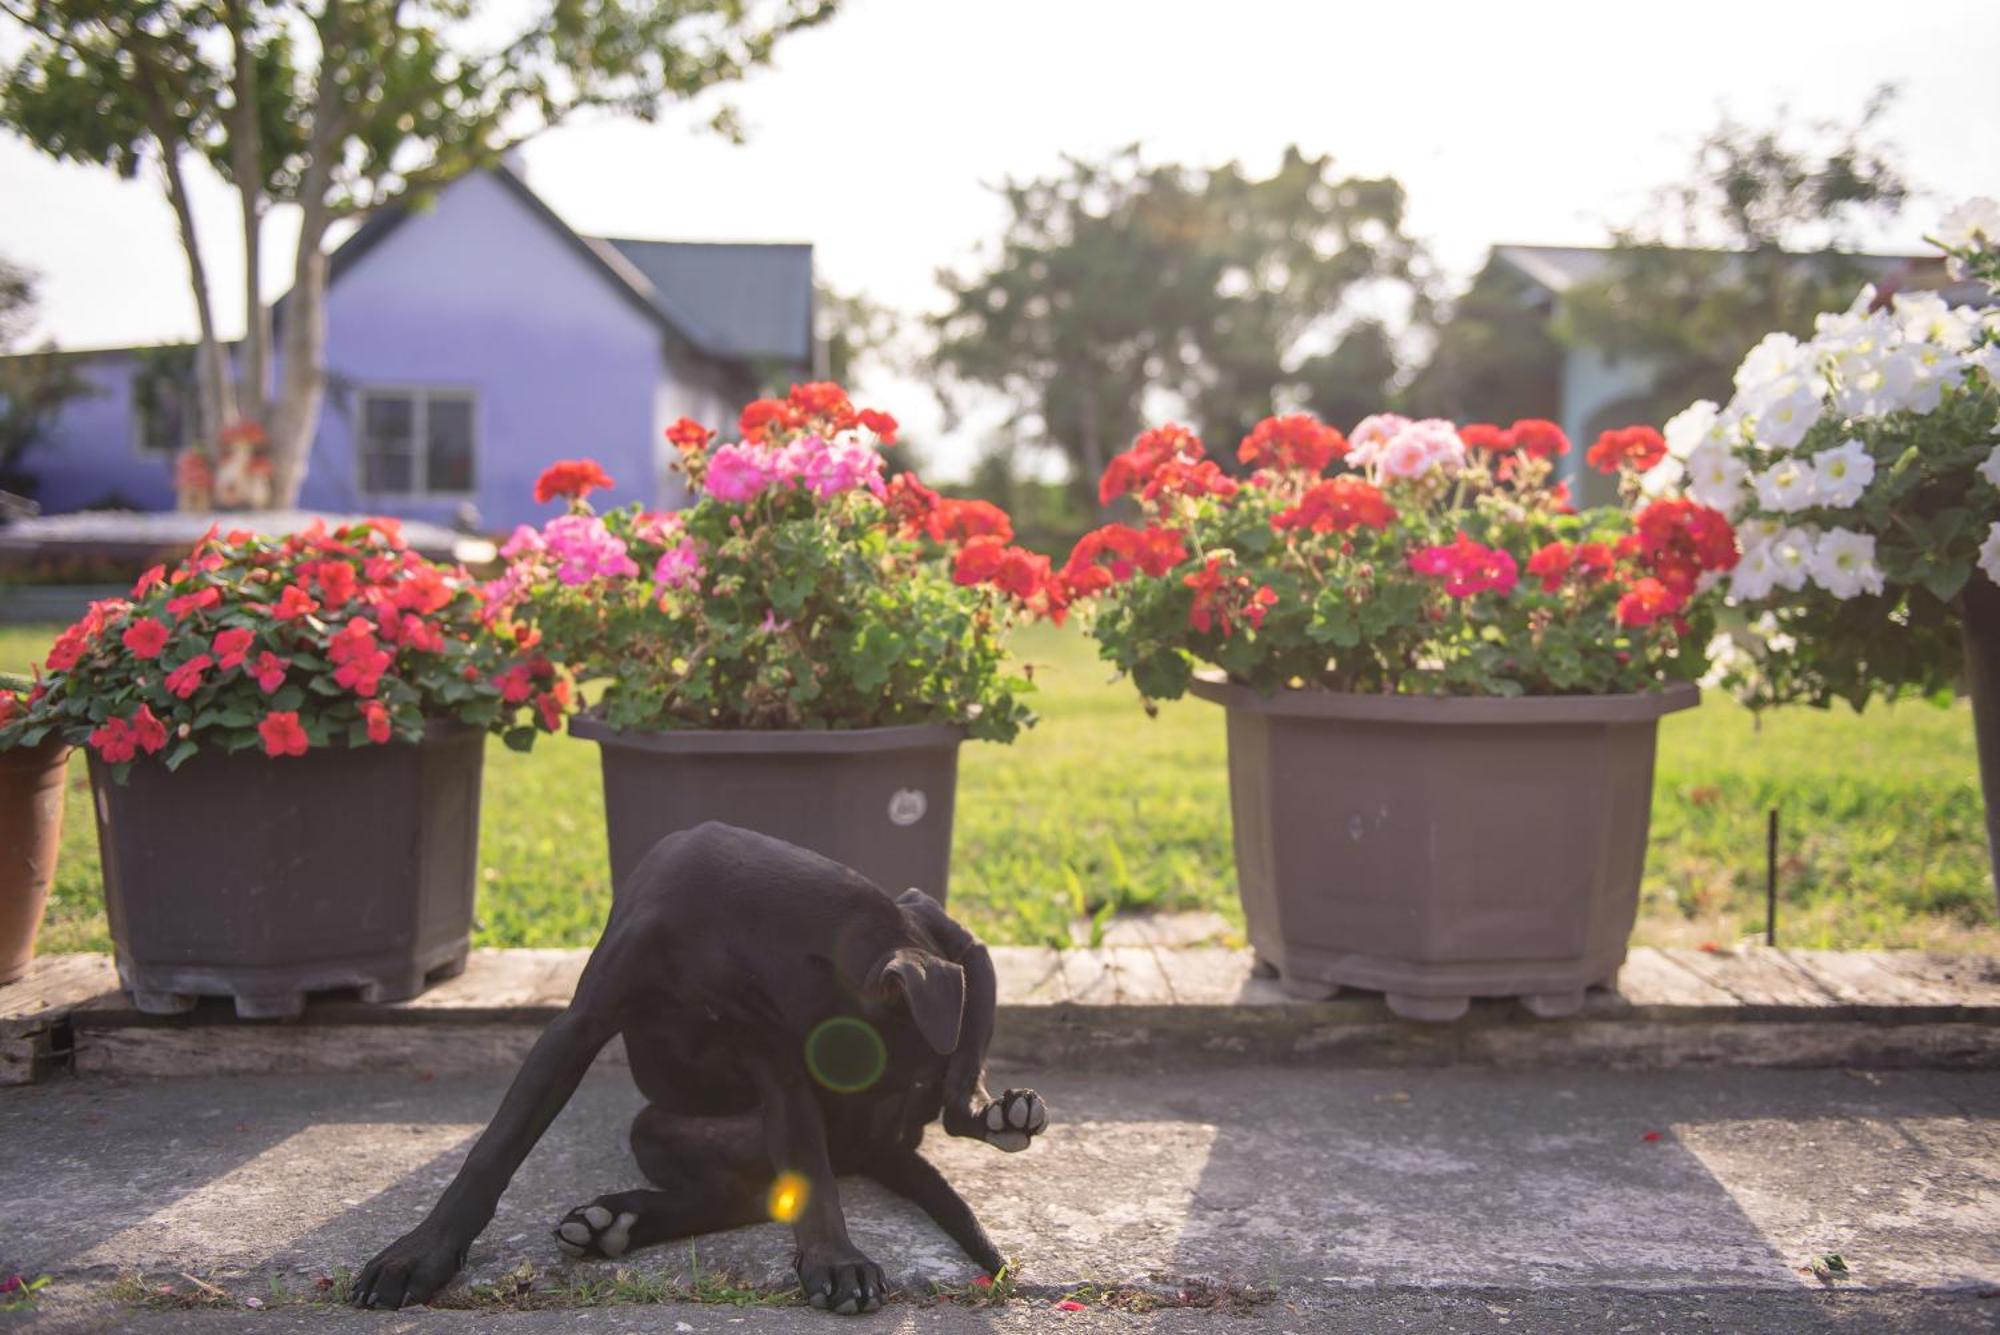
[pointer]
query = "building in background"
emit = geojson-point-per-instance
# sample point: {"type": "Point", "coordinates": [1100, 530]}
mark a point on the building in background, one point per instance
{"type": "Point", "coordinates": [469, 343]}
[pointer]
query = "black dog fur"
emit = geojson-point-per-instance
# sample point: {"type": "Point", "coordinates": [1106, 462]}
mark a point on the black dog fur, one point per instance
{"type": "Point", "coordinates": [725, 953]}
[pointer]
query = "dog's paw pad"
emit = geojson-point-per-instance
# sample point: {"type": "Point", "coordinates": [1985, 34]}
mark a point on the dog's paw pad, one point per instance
{"type": "Point", "coordinates": [1014, 1119]}
{"type": "Point", "coordinates": [595, 1230]}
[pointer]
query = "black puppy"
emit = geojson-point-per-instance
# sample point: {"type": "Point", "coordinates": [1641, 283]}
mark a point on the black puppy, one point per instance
{"type": "Point", "coordinates": [788, 1021]}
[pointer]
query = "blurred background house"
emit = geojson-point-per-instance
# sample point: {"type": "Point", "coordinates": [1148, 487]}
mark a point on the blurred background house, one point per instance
{"type": "Point", "coordinates": [468, 344]}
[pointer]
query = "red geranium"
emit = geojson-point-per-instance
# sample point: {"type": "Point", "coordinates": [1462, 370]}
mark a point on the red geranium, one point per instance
{"type": "Point", "coordinates": [1153, 450]}
{"type": "Point", "coordinates": [1468, 568]}
{"type": "Point", "coordinates": [1539, 437]}
{"type": "Point", "coordinates": [1298, 442]}
{"type": "Point", "coordinates": [1550, 563]}
{"type": "Point", "coordinates": [573, 478]}
{"type": "Point", "coordinates": [1634, 447]}
{"type": "Point", "coordinates": [953, 521]}
{"type": "Point", "coordinates": [1486, 436]}
{"type": "Point", "coordinates": [689, 436]}
{"type": "Point", "coordinates": [1647, 601]}
{"type": "Point", "coordinates": [1338, 505]}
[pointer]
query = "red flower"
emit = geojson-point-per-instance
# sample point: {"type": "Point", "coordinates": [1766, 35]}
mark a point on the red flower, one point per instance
{"type": "Point", "coordinates": [1221, 599]}
{"type": "Point", "coordinates": [1551, 563]}
{"type": "Point", "coordinates": [1648, 601]}
{"type": "Point", "coordinates": [978, 561]}
{"type": "Point", "coordinates": [115, 740]}
{"type": "Point", "coordinates": [822, 398]}
{"type": "Point", "coordinates": [419, 634]}
{"type": "Point", "coordinates": [145, 637]}
{"type": "Point", "coordinates": [151, 733]}
{"type": "Point", "coordinates": [759, 417]}
{"type": "Point", "coordinates": [358, 662]}
{"type": "Point", "coordinates": [69, 648]}
{"type": "Point", "coordinates": [294, 603]}
{"type": "Point", "coordinates": [1539, 437]}
{"type": "Point", "coordinates": [1467, 567]}
{"type": "Point", "coordinates": [910, 502]}
{"type": "Point", "coordinates": [1486, 436]}
{"type": "Point", "coordinates": [1634, 447]}
{"type": "Point", "coordinates": [231, 648]}
{"type": "Point", "coordinates": [1112, 554]}
{"type": "Point", "coordinates": [515, 685]}
{"type": "Point", "coordinates": [1337, 505]}
{"type": "Point", "coordinates": [149, 581]}
{"type": "Point", "coordinates": [1136, 468]}
{"type": "Point", "coordinates": [185, 680]}
{"type": "Point", "coordinates": [1297, 442]}
{"type": "Point", "coordinates": [1178, 477]}
{"type": "Point", "coordinates": [282, 734]}
{"type": "Point", "coordinates": [689, 436]}
{"type": "Point", "coordinates": [376, 715]}
{"type": "Point", "coordinates": [1680, 539]}
{"type": "Point", "coordinates": [960, 521]}
{"type": "Point", "coordinates": [336, 582]}
{"type": "Point", "coordinates": [574, 478]}
{"type": "Point", "coordinates": [881, 424]}
{"type": "Point", "coordinates": [193, 602]}
{"type": "Point", "coordinates": [270, 672]}
{"type": "Point", "coordinates": [551, 703]}
{"type": "Point", "coordinates": [1595, 558]}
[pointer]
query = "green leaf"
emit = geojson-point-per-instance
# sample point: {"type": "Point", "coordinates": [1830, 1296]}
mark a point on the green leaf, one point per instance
{"type": "Point", "coordinates": [180, 753]}
{"type": "Point", "coordinates": [288, 698]}
{"type": "Point", "coordinates": [519, 739]}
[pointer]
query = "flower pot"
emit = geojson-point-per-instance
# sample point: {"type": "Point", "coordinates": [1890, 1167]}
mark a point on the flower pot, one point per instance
{"type": "Point", "coordinates": [1439, 849]}
{"type": "Point", "coordinates": [878, 800]}
{"type": "Point", "coordinates": [1979, 622]}
{"type": "Point", "coordinates": [265, 879]}
{"type": "Point", "coordinates": [31, 812]}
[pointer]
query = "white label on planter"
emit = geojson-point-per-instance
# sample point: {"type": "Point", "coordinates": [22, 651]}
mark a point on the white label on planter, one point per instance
{"type": "Point", "coordinates": [908, 806]}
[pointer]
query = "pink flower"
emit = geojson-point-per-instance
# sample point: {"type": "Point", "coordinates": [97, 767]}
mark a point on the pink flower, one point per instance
{"type": "Point", "coordinates": [829, 469]}
{"type": "Point", "coordinates": [678, 567]}
{"type": "Point", "coordinates": [737, 473]}
{"type": "Point", "coordinates": [771, 625]}
{"type": "Point", "coordinates": [1467, 567]}
{"type": "Point", "coordinates": [587, 550]}
{"type": "Point", "coordinates": [525, 539]}
{"type": "Point", "coordinates": [1369, 437]}
{"type": "Point", "coordinates": [1418, 447]}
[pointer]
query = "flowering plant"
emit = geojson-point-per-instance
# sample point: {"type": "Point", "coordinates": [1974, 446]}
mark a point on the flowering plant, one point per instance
{"type": "Point", "coordinates": [14, 693]}
{"type": "Point", "coordinates": [1862, 468]}
{"type": "Point", "coordinates": [341, 638]}
{"type": "Point", "coordinates": [800, 589]}
{"type": "Point", "coordinates": [1433, 559]}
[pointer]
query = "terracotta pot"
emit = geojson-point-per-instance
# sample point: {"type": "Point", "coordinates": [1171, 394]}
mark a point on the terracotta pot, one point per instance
{"type": "Point", "coordinates": [1439, 849]}
{"type": "Point", "coordinates": [266, 879]}
{"type": "Point", "coordinates": [31, 812]}
{"type": "Point", "coordinates": [878, 800]}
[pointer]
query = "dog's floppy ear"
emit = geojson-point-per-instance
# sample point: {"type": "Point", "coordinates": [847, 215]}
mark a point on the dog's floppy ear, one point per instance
{"type": "Point", "coordinates": [933, 987]}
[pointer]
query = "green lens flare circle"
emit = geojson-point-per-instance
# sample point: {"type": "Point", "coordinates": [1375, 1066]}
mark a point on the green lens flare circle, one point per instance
{"type": "Point", "coordinates": [846, 1054]}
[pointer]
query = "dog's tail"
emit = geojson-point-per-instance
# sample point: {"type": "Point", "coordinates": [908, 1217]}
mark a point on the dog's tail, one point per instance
{"type": "Point", "coordinates": [912, 1177]}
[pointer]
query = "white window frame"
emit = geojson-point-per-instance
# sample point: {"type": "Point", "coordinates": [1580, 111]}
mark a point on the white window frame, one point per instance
{"type": "Point", "coordinates": [420, 397]}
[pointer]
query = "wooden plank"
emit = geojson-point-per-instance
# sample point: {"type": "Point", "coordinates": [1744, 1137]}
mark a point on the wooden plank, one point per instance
{"type": "Point", "coordinates": [56, 984]}
{"type": "Point", "coordinates": [1755, 976]}
{"type": "Point", "coordinates": [1651, 978]}
{"type": "Point", "coordinates": [1859, 977]}
{"type": "Point", "coordinates": [1973, 979]}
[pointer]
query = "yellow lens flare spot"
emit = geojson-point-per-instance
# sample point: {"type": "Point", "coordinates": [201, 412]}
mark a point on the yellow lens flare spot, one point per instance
{"type": "Point", "coordinates": [788, 1197]}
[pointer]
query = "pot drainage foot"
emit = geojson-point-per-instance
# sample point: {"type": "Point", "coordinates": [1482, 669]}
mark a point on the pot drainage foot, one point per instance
{"type": "Point", "coordinates": [451, 968]}
{"type": "Point", "coordinates": [1408, 1007]}
{"type": "Point", "coordinates": [161, 1003]}
{"type": "Point", "coordinates": [1261, 967]}
{"type": "Point", "coordinates": [1553, 1005]}
{"type": "Point", "coordinates": [270, 1006]}
{"type": "Point", "coordinates": [398, 988]}
{"type": "Point", "coordinates": [1307, 989]}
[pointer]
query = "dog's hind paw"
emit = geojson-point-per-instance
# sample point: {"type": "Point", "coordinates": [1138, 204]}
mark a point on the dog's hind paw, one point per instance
{"type": "Point", "coordinates": [1013, 1120]}
{"type": "Point", "coordinates": [598, 1229]}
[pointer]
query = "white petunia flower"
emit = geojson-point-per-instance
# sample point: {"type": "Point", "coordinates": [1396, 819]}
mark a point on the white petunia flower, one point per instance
{"type": "Point", "coordinates": [1843, 563]}
{"type": "Point", "coordinates": [1842, 474]}
{"type": "Point", "coordinates": [1973, 225]}
{"type": "Point", "coordinates": [1715, 477]}
{"type": "Point", "coordinates": [1755, 575]}
{"type": "Point", "coordinates": [1990, 470]}
{"type": "Point", "coordinates": [1792, 556]}
{"type": "Point", "coordinates": [1689, 427]}
{"type": "Point", "coordinates": [1786, 486]}
{"type": "Point", "coordinates": [1663, 478]}
{"type": "Point", "coordinates": [1927, 318]}
{"type": "Point", "coordinates": [1878, 383]}
{"type": "Point", "coordinates": [1989, 554]}
{"type": "Point", "coordinates": [1777, 356]}
{"type": "Point", "coordinates": [1782, 419]}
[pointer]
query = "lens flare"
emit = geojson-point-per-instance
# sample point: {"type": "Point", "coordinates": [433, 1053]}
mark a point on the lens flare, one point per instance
{"type": "Point", "coordinates": [788, 1197]}
{"type": "Point", "coordinates": [846, 1054]}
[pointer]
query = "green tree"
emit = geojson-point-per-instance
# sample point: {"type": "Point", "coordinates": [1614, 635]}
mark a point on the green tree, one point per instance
{"type": "Point", "coordinates": [340, 107]}
{"type": "Point", "coordinates": [1496, 357]}
{"type": "Point", "coordinates": [1757, 237]}
{"type": "Point", "coordinates": [34, 383]}
{"type": "Point", "coordinates": [1234, 294]}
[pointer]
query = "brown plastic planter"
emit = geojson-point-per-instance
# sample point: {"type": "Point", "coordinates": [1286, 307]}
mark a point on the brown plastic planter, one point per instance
{"type": "Point", "coordinates": [266, 879]}
{"type": "Point", "coordinates": [31, 812]}
{"type": "Point", "coordinates": [878, 800]}
{"type": "Point", "coordinates": [1439, 849]}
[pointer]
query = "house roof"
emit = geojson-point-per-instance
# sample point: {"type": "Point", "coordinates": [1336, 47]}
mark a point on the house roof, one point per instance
{"type": "Point", "coordinates": [735, 301]}
{"type": "Point", "coordinates": [1559, 268]}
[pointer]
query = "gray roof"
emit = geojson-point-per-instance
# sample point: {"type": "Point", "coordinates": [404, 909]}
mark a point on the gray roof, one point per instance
{"type": "Point", "coordinates": [1559, 268]}
{"type": "Point", "coordinates": [735, 300]}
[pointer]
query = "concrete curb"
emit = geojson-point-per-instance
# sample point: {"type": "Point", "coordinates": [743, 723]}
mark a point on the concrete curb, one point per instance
{"type": "Point", "coordinates": [1127, 1007]}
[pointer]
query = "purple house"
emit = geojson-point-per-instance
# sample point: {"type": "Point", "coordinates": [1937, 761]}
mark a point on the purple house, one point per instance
{"type": "Point", "coordinates": [470, 343]}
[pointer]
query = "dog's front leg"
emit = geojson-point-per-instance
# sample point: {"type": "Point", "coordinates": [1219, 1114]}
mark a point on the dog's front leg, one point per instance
{"type": "Point", "coordinates": [422, 1261]}
{"type": "Point", "coordinates": [1012, 1121]}
{"type": "Point", "coordinates": [833, 1273]}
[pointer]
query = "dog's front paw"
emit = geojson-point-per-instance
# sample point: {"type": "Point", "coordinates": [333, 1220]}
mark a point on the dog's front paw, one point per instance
{"type": "Point", "coordinates": [600, 1229]}
{"type": "Point", "coordinates": [1013, 1120]}
{"type": "Point", "coordinates": [408, 1271]}
{"type": "Point", "coordinates": [842, 1281]}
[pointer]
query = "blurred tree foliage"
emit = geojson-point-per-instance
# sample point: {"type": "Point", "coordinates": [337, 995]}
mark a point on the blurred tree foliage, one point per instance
{"type": "Point", "coordinates": [1119, 284]}
{"type": "Point", "coordinates": [34, 383]}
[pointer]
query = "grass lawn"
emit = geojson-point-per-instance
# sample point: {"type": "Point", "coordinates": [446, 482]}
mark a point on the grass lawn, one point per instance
{"type": "Point", "coordinates": [1099, 805]}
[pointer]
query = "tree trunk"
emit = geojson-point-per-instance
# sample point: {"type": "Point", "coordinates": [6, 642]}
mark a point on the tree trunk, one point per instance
{"type": "Point", "coordinates": [1090, 440]}
{"type": "Point", "coordinates": [1980, 626]}
{"type": "Point", "coordinates": [246, 155]}
{"type": "Point", "coordinates": [212, 397]}
{"type": "Point", "coordinates": [302, 377]}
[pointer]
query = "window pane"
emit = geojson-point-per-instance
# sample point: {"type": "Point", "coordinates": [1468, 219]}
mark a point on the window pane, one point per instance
{"type": "Point", "coordinates": [450, 429]}
{"type": "Point", "coordinates": [387, 462]}
{"type": "Point", "coordinates": [162, 416]}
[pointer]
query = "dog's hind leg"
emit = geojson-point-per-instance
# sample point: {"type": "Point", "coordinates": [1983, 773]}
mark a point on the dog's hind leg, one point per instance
{"type": "Point", "coordinates": [712, 1174]}
{"type": "Point", "coordinates": [912, 1177]}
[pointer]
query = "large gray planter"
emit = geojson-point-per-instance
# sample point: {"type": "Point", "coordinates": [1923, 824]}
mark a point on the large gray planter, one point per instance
{"type": "Point", "coordinates": [1439, 849]}
{"type": "Point", "coordinates": [878, 800]}
{"type": "Point", "coordinates": [266, 879]}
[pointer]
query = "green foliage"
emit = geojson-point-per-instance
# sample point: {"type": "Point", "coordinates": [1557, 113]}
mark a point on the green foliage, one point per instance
{"type": "Point", "coordinates": [34, 385]}
{"type": "Point", "coordinates": [1497, 357]}
{"type": "Point", "coordinates": [1117, 278]}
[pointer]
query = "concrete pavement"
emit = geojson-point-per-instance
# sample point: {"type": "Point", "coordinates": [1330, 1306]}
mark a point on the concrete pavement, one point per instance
{"type": "Point", "coordinates": [1320, 1199]}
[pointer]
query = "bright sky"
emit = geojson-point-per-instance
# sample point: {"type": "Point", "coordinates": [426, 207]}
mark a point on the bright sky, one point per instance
{"type": "Point", "coordinates": [878, 136]}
